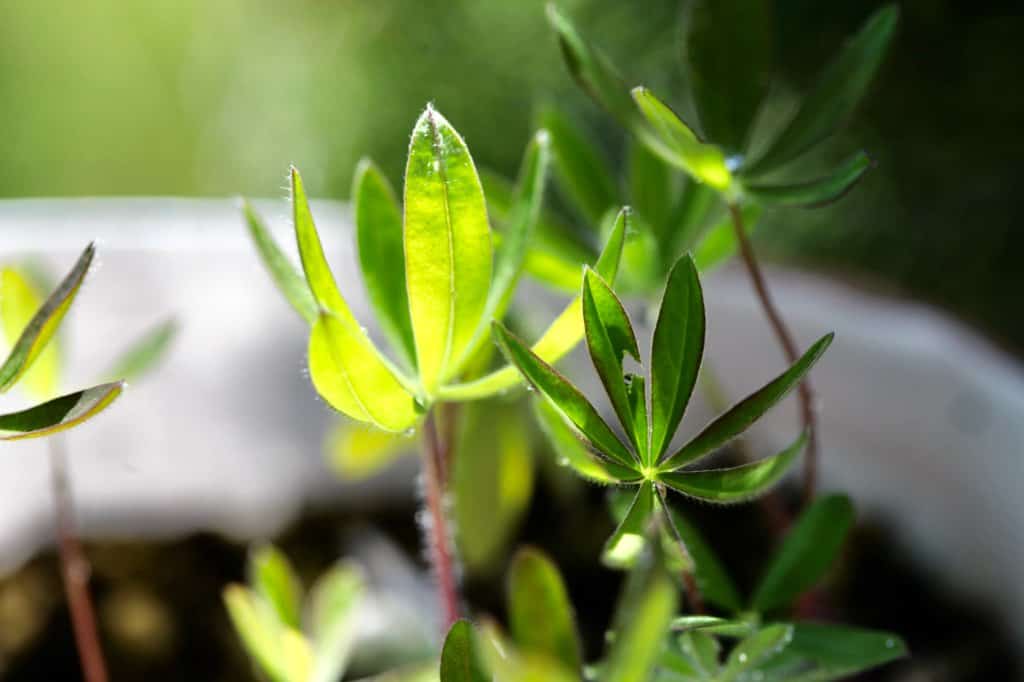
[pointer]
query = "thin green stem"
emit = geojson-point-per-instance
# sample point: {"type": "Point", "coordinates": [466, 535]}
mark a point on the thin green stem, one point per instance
{"type": "Point", "coordinates": [437, 537]}
{"type": "Point", "coordinates": [789, 348]}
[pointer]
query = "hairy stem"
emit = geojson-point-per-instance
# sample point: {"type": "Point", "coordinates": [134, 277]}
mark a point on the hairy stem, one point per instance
{"type": "Point", "coordinates": [75, 569]}
{"type": "Point", "coordinates": [789, 347]}
{"type": "Point", "coordinates": [438, 539]}
{"type": "Point", "coordinates": [689, 580]}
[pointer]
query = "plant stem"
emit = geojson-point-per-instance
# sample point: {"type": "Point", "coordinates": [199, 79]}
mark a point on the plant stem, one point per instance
{"type": "Point", "coordinates": [689, 580]}
{"type": "Point", "coordinates": [789, 347]}
{"type": "Point", "coordinates": [75, 568]}
{"type": "Point", "coordinates": [438, 539]}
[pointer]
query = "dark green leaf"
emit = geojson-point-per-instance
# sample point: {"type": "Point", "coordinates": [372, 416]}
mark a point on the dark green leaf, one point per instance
{"type": "Point", "coordinates": [45, 322]}
{"type": "Point", "coordinates": [737, 483]}
{"type": "Point", "coordinates": [816, 192]}
{"type": "Point", "coordinates": [60, 413]}
{"type": "Point", "coordinates": [747, 411]}
{"type": "Point", "coordinates": [690, 216]}
{"type": "Point", "coordinates": [571, 450]}
{"type": "Point", "coordinates": [704, 650]}
{"type": "Point", "coordinates": [810, 548]}
{"type": "Point", "coordinates": [652, 188]}
{"type": "Point", "coordinates": [714, 582]}
{"type": "Point", "coordinates": [756, 649]}
{"type": "Point", "coordinates": [378, 219]}
{"type": "Point", "coordinates": [727, 48]}
{"type": "Point", "coordinates": [287, 278]}
{"type": "Point", "coordinates": [627, 542]}
{"type": "Point", "coordinates": [562, 394]}
{"type": "Point", "coordinates": [461, 658]}
{"type": "Point", "coordinates": [582, 173]}
{"type": "Point", "coordinates": [839, 88]}
{"type": "Point", "coordinates": [145, 353]}
{"type": "Point", "coordinates": [637, 397]}
{"type": "Point", "coordinates": [541, 617]}
{"type": "Point", "coordinates": [676, 352]}
{"type": "Point", "coordinates": [841, 651]}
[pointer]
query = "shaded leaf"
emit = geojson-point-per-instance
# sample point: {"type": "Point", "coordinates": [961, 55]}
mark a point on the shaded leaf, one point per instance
{"type": "Point", "coordinates": [146, 352]}
{"type": "Point", "coordinates": [568, 445]}
{"type": "Point", "coordinates": [541, 617]}
{"type": "Point", "coordinates": [378, 220]}
{"type": "Point", "coordinates": [839, 651]}
{"type": "Point", "coordinates": [739, 417]}
{"type": "Point", "coordinates": [816, 192]}
{"type": "Point", "coordinates": [334, 602]}
{"type": "Point", "coordinates": [689, 216]}
{"type": "Point", "coordinates": [274, 579]}
{"type": "Point", "coordinates": [60, 413]}
{"type": "Point", "coordinates": [461, 658]}
{"type": "Point", "coordinates": [581, 171]}
{"type": "Point", "coordinates": [652, 188]}
{"type": "Point", "coordinates": [676, 352]}
{"type": "Point", "coordinates": [20, 299]}
{"type": "Point", "coordinates": [810, 548]}
{"type": "Point", "coordinates": [704, 650]}
{"type": "Point", "coordinates": [713, 580]}
{"type": "Point", "coordinates": [43, 325]}
{"type": "Point", "coordinates": [737, 483]}
{"type": "Point", "coordinates": [839, 89]}
{"type": "Point", "coordinates": [287, 278]}
{"type": "Point", "coordinates": [756, 649]}
{"type": "Point", "coordinates": [447, 248]}
{"type": "Point", "coordinates": [720, 243]}
{"type": "Point", "coordinates": [627, 542]}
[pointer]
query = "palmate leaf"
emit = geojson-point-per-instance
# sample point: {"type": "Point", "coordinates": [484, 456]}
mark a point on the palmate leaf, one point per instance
{"type": "Point", "coordinates": [541, 617]}
{"type": "Point", "coordinates": [816, 192]}
{"type": "Point", "coordinates": [59, 414]}
{"type": "Point", "coordinates": [447, 248]}
{"type": "Point", "coordinates": [810, 548]}
{"type": "Point", "coordinates": [20, 299]}
{"type": "Point", "coordinates": [43, 325]}
{"type": "Point", "coordinates": [288, 279]}
{"type": "Point", "coordinates": [274, 579]}
{"type": "Point", "coordinates": [344, 365]}
{"type": "Point", "coordinates": [146, 352]}
{"type": "Point", "coordinates": [738, 418]}
{"type": "Point", "coordinates": [461, 657]}
{"type": "Point", "coordinates": [569, 447]}
{"type": "Point", "coordinates": [378, 220]}
{"type": "Point", "coordinates": [560, 337]}
{"type": "Point", "coordinates": [839, 89]}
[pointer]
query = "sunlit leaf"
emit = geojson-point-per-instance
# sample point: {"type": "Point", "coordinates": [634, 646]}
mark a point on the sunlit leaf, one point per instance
{"type": "Point", "coordinates": [287, 278]}
{"type": "Point", "coordinates": [20, 298]}
{"type": "Point", "coordinates": [582, 174]}
{"type": "Point", "coordinates": [627, 542]}
{"type": "Point", "coordinates": [274, 579]}
{"type": "Point", "coordinates": [447, 248]}
{"type": "Point", "coordinates": [296, 656]}
{"type": "Point", "coordinates": [560, 337]}
{"type": "Point", "coordinates": [816, 192]}
{"type": "Point", "coordinates": [720, 243]}
{"type": "Point", "coordinates": [610, 336]}
{"type": "Point", "coordinates": [461, 658]}
{"type": "Point", "coordinates": [727, 48]}
{"type": "Point", "coordinates": [735, 484]}
{"type": "Point", "coordinates": [60, 413]}
{"type": "Point", "coordinates": [713, 581]}
{"type": "Point", "coordinates": [43, 325]}
{"type": "Point", "coordinates": [145, 353]}
{"type": "Point", "coordinates": [378, 220]}
{"type": "Point", "coordinates": [757, 648]}
{"type": "Point", "coordinates": [738, 418]}
{"type": "Point", "coordinates": [676, 352]}
{"type": "Point", "coordinates": [334, 606]}
{"type": "Point", "coordinates": [810, 548]}
{"type": "Point", "coordinates": [567, 442]}
{"type": "Point", "coordinates": [356, 451]}
{"type": "Point", "coordinates": [562, 394]}
{"type": "Point", "coordinates": [839, 89]}
{"type": "Point", "coordinates": [257, 626]}
{"type": "Point", "coordinates": [541, 617]}
{"type": "Point", "coordinates": [677, 144]}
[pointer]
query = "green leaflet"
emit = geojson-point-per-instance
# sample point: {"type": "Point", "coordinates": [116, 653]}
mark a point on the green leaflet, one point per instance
{"type": "Point", "coordinates": [720, 243]}
{"type": "Point", "coordinates": [288, 280]}
{"type": "Point", "coordinates": [711, 625]}
{"type": "Point", "coordinates": [447, 248]}
{"type": "Point", "coordinates": [737, 483]}
{"type": "Point", "coordinates": [676, 352]}
{"type": "Point", "coordinates": [275, 581]}
{"type": "Point", "coordinates": [43, 325]}
{"type": "Point", "coordinates": [378, 220]}
{"type": "Point", "coordinates": [461, 658]}
{"type": "Point", "coordinates": [261, 634]}
{"type": "Point", "coordinates": [704, 650]}
{"type": "Point", "coordinates": [334, 600]}
{"type": "Point", "coordinates": [816, 192]}
{"type": "Point", "coordinates": [146, 353]}
{"type": "Point", "coordinates": [568, 445]}
{"type": "Point", "coordinates": [20, 299]}
{"type": "Point", "coordinates": [738, 418]}
{"type": "Point", "coordinates": [673, 141]}
{"type": "Point", "coordinates": [60, 413]}
{"type": "Point", "coordinates": [559, 338]}
{"type": "Point", "coordinates": [755, 650]}
{"type": "Point", "coordinates": [581, 171]}
{"type": "Point", "coordinates": [562, 394]}
{"type": "Point", "coordinates": [609, 337]}
{"type": "Point", "coordinates": [627, 542]}
{"type": "Point", "coordinates": [810, 548]}
{"type": "Point", "coordinates": [727, 48]}
{"type": "Point", "coordinates": [839, 89]}
{"type": "Point", "coordinates": [541, 617]}
{"type": "Point", "coordinates": [840, 651]}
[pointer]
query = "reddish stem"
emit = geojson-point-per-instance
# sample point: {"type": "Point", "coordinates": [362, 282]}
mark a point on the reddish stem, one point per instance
{"type": "Point", "coordinates": [75, 569]}
{"type": "Point", "coordinates": [789, 347]}
{"type": "Point", "coordinates": [438, 539]}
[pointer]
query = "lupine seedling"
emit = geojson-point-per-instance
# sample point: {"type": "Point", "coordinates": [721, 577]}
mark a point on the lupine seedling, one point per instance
{"type": "Point", "coordinates": [649, 418]}
{"type": "Point", "coordinates": [435, 283]}
{"type": "Point", "coordinates": [727, 55]}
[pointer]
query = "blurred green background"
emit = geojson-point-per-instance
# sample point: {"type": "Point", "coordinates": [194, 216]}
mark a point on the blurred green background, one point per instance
{"type": "Point", "coordinates": [199, 98]}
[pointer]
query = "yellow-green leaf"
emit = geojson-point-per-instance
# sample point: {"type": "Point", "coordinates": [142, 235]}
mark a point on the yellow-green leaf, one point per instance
{"type": "Point", "coordinates": [259, 630]}
{"type": "Point", "coordinates": [274, 579]}
{"type": "Point", "coordinates": [334, 606]}
{"type": "Point", "coordinates": [541, 617]}
{"type": "Point", "coordinates": [356, 451]}
{"type": "Point", "coordinates": [447, 248]}
{"type": "Point", "coordinates": [20, 298]}
{"type": "Point", "coordinates": [60, 413]}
